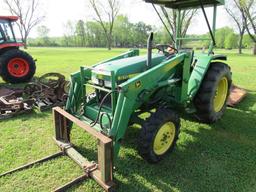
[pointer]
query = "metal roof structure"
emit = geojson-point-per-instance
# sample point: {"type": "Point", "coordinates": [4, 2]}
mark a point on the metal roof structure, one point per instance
{"type": "Point", "coordinates": [186, 4]}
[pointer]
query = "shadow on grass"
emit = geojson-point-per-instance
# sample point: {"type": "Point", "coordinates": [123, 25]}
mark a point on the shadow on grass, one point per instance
{"type": "Point", "coordinates": [21, 85]}
{"type": "Point", "coordinates": [217, 157]}
{"type": "Point", "coordinates": [18, 85]}
{"type": "Point", "coordinates": [248, 102]}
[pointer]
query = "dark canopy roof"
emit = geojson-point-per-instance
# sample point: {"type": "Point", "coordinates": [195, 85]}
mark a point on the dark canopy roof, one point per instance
{"type": "Point", "coordinates": [184, 4]}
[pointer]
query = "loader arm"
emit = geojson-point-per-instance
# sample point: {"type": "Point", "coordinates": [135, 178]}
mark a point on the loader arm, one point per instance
{"type": "Point", "coordinates": [131, 95]}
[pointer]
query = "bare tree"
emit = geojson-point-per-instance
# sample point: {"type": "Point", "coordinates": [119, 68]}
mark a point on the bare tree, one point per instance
{"type": "Point", "coordinates": [186, 17]}
{"type": "Point", "coordinates": [105, 14]}
{"type": "Point", "coordinates": [235, 9]}
{"type": "Point", "coordinates": [69, 34]}
{"type": "Point", "coordinates": [29, 15]}
{"type": "Point", "coordinates": [249, 7]}
{"type": "Point", "coordinates": [43, 33]}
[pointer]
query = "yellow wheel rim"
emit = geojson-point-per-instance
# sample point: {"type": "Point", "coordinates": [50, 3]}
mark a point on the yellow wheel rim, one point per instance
{"type": "Point", "coordinates": [164, 138]}
{"type": "Point", "coordinates": [220, 94]}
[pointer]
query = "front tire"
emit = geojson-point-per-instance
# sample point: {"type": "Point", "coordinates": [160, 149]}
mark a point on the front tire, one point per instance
{"type": "Point", "coordinates": [17, 66]}
{"type": "Point", "coordinates": [210, 101]}
{"type": "Point", "coordinates": [158, 135]}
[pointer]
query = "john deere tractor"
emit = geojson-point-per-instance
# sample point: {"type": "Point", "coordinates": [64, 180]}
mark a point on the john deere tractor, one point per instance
{"type": "Point", "coordinates": [16, 66]}
{"type": "Point", "coordinates": [111, 95]}
{"type": "Point", "coordinates": [149, 90]}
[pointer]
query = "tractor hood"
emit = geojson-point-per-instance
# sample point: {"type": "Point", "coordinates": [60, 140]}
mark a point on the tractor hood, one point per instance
{"type": "Point", "coordinates": [125, 68]}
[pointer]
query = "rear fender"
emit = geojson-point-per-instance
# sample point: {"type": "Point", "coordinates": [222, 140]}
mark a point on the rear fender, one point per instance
{"type": "Point", "coordinates": [10, 45]}
{"type": "Point", "coordinates": [4, 49]}
{"type": "Point", "coordinates": [199, 71]}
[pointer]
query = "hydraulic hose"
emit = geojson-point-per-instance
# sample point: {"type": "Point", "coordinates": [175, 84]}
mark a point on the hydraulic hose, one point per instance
{"type": "Point", "coordinates": [100, 107]}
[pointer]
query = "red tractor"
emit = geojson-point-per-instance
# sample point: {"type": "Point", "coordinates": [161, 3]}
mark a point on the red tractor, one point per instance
{"type": "Point", "coordinates": [16, 66]}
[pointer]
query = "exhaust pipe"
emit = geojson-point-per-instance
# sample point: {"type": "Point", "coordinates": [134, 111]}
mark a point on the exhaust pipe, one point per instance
{"type": "Point", "coordinates": [149, 48]}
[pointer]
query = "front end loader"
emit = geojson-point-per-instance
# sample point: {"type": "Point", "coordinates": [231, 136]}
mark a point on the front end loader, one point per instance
{"type": "Point", "coordinates": [105, 99]}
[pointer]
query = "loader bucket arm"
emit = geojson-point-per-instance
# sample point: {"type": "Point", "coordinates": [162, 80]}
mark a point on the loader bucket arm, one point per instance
{"type": "Point", "coordinates": [109, 143]}
{"type": "Point", "coordinates": [137, 90]}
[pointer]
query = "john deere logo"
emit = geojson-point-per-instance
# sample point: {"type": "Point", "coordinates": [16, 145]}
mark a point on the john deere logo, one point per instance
{"type": "Point", "coordinates": [138, 84]}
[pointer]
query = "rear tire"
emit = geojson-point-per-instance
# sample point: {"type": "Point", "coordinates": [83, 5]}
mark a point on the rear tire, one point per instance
{"type": "Point", "coordinates": [210, 101]}
{"type": "Point", "coordinates": [17, 66]}
{"type": "Point", "coordinates": [158, 135]}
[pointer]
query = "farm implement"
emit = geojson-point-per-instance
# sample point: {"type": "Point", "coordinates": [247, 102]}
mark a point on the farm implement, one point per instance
{"type": "Point", "coordinates": [12, 103]}
{"type": "Point", "coordinates": [105, 99]}
{"type": "Point", "coordinates": [49, 90]}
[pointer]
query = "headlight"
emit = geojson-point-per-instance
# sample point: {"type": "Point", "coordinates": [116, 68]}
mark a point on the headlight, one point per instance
{"type": "Point", "coordinates": [100, 82]}
{"type": "Point", "coordinates": [95, 80]}
{"type": "Point", "coordinates": [108, 84]}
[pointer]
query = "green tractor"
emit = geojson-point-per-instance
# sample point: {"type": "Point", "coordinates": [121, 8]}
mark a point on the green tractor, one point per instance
{"type": "Point", "coordinates": [107, 98]}
{"type": "Point", "coordinates": [161, 84]}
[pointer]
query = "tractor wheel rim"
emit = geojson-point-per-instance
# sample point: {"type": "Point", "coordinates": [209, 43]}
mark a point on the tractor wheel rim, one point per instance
{"type": "Point", "coordinates": [18, 67]}
{"type": "Point", "coordinates": [220, 94]}
{"type": "Point", "coordinates": [164, 138]}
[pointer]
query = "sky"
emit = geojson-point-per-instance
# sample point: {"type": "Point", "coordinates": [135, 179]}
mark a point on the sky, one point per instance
{"type": "Point", "coordinates": [58, 12]}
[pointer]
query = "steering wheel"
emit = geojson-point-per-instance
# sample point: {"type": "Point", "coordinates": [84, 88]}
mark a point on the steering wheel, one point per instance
{"type": "Point", "coordinates": [163, 47]}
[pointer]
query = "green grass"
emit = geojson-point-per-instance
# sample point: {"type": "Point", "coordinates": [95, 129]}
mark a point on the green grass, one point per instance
{"type": "Point", "coordinates": [218, 157]}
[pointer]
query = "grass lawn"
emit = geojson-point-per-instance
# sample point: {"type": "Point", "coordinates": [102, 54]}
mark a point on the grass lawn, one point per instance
{"type": "Point", "coordinates": [218, 157]}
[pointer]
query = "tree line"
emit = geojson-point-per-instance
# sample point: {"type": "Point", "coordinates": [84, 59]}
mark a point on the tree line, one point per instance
{"type": "Point", "coordinates": [109, 28]}
{"type": "Point", "coordinates": [127, 34]}
{"type": "Point", "coordinates": [90, 34]}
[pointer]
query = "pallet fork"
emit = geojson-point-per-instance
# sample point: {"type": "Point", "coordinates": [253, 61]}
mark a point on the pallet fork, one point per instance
{"type": "Point", "coordinates": [101, 172]}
